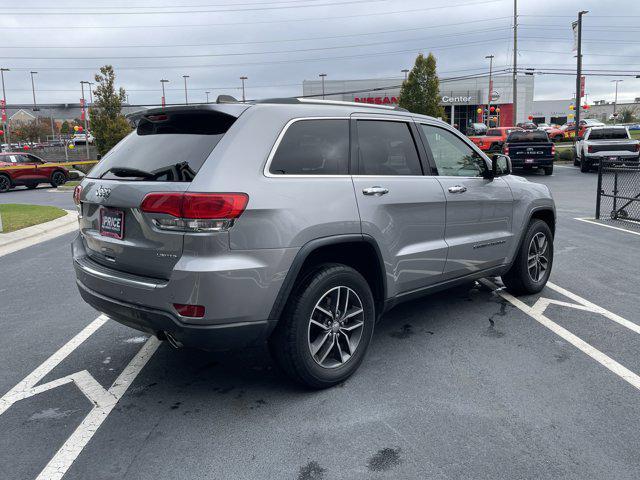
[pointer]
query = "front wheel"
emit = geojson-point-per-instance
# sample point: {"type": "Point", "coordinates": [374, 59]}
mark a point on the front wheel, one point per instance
{"type": "Point", "coordinates": [532, 265]}
{"type": "Point", "coordinates": [326, 327]}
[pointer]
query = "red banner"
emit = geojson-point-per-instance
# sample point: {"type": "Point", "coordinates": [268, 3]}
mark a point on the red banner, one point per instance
{"type": "Point", "coordinates": [4, 112]}
{"type": "Point", "coordinates": [582, 85]}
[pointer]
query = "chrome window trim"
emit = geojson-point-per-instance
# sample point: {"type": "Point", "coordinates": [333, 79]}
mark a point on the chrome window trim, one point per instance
{"type": "Point", "coordinates": [272, 153]}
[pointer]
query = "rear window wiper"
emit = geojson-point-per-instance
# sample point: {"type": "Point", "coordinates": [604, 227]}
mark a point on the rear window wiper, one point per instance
{"type": "Point", "coordinates": [127, 172]}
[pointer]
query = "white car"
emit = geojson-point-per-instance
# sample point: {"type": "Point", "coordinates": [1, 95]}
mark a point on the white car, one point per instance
{"type": "Point", "coordinates": [82, 138]}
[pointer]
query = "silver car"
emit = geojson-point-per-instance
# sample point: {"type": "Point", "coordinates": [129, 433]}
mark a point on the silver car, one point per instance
{"type": "Point", "coordinates": [299, 222]}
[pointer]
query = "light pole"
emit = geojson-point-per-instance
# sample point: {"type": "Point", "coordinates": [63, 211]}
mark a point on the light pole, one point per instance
{"type": "Point", "coordinates": [322, 76]}
{"type": "Point", "coordinates": [207, 94]}
{"type": "Point", "coordinates": [243, 78]}
{"type": "Point", "coordinates": [5, 124]}
{"type": "Point", "coordinates": [186, 98]}
{"type": "Point", "coordinates": [90, 93]}
{"type": "Point", "coordinates": [615, 101]}
{"type": "Point", "coordinates": [162, 82]}
{"type": "Point", "coordinates": [406, 72]}
{"type": "Point", "coordinates": [578, 74]}
{"type": "Point", "coordinates": [490, 57]}
{"type": "Point", "coordinates": [84, 117]}
{"type": "Point", "coordinates": [33, 90]}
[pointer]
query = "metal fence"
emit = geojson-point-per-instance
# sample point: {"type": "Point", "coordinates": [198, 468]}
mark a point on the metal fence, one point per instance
{"type": "Point", "coordinates": [618, 190]}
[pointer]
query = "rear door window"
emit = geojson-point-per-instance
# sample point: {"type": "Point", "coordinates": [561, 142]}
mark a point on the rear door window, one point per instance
{"type": "Point", "coordinates": [313, 147]}
{"type": "Point", "coordinates": [386, 148]}
{"type": "Point", "coordinates": [168, 147]}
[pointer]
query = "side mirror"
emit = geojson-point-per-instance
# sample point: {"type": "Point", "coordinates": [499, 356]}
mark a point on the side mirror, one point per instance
{"type": "Point", "coordinates": [500, 165]}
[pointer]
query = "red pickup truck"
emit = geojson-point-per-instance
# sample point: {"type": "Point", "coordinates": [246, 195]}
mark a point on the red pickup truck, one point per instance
{"type": "Point", "coordinates": [36, 171]}
{"type": "Point", "coordinates": [494, 139]}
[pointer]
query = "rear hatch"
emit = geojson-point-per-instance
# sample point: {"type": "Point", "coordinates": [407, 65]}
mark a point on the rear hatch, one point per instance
{"type": "Point", "coordinates": [163, 154]}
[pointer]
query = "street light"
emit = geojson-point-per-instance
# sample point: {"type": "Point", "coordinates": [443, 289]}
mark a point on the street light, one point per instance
{"type": "Point", "coordinates": [186, 98]}
{"type": "Point", "coordinates": [322, 75]}
{"type": "Point", "coordinates": [615, 101]}
{"type": "Point", "coordinates": [33, 90]}
{"type": "Point", "coordinates": [405, 71]}
{"type": "Point", "coordinates": [5, 125]}
{"type": "Point", "coordinates": [490, 57]}
{"type": "Point", "coordinates": [90, 93]}
{"type": "Point", "coordinates": [162, 82]}
{"type": "Point", "coordinates": [207, 94]}
{"type": "Point", "coordinates": [243, 78]}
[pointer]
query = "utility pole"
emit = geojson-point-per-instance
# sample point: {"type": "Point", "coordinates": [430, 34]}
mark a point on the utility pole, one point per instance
{"type": "Point", "coordinates": [33, 90]}
{"type": "Point", "coordinates": [405, 71]}
{"type": "Point", "coordinates": [515, 62]}
{"type": "Point", "coordinates": [615, 102]}
{"type": "Point", "coordinates": [322, 75]}
{"type": "Point", "coordinates": [90, 93]}
{"type": "Point", "coordinates": [490, 57]}
{"type": "Point", "coordinates": [186, 98]}
{"type": "Point", "coordinates": [162, 82]}
{"type": "Point", "coordinates": [207, 94]}
{"type": "Point", "coordinates": [243, 78]}
{"type": "Point", "coordinates": [84, 117]}
{"type": "Point", "coordinates": [579, 75]}
{"type": "Point", "coordinates": [5, 124]}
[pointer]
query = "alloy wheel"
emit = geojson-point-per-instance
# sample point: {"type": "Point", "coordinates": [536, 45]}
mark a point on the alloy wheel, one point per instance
{"type": "Point", "coordinates": [335, 327]}
{"type": "Point", "coordinates": [58, 178]}
{"type": "Point", "coordinates": [5, 183]}
{"type": "Point", "coordinates": [537, 259]}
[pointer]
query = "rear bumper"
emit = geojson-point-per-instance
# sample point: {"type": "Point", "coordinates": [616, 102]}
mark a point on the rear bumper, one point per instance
{"type": "Point", "coordinates": [595, 160]}
{"type": "Point", "coordinates": [157, 322]}
{"type": "Point", "coordinates": [537, 162]}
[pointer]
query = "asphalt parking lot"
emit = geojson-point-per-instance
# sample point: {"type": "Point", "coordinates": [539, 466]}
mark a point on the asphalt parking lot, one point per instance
{"type": "Point", "coordinates": [469, 383]}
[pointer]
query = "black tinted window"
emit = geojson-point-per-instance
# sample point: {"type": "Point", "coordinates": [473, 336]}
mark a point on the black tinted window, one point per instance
{"type": "Point", "coordinates": [313, 147]}
{"type": "Point", "coordinates": [168, 147]}
{"type": "Point", "coordinates": [608, 134]}
{"type": "Point", "coordinates": [529, 136]}
{"type": "Point", "coordinates": [494, 133]}
{"type": "Point", "coordinates": [386, 148]}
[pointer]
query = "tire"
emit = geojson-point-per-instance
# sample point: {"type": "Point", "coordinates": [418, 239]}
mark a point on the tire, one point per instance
{"type": "Point", "coordinates": [31, 186]}
{"type": "Point", "coordinates": [58, 178]}
{"type": "Point", "coordinates": [520, 279]}
{"type": "Point", "coordinates": [5, 183]}
{"type": "Point", "coordinates": [585, 167]}
{"type": "Point", "coordinates": [548, 170]}
{"type": "Point", "coordinates": [303, 327]}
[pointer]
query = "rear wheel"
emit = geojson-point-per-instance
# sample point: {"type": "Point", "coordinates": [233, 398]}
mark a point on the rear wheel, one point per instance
{"type": "Point", "coordinates": [585, 166]}
{"type": "Point", "coordinates": [548, 170]}
{"type": "Point", "coordinates": [326, 327]}
{"type": "Point", "coordinates": [5, 183]}
{"type": "Point", "coordinates": [58, 178]}
{"type": "Point", "coordinates": [532, 265]}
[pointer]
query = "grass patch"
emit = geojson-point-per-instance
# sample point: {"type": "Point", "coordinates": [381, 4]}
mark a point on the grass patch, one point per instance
{"type": "Point", "coordinates": [15, 217]}
{"type": "Point", "coordinates": [70, 185]}
{"type": "Point", "coordinates": [635, 134]}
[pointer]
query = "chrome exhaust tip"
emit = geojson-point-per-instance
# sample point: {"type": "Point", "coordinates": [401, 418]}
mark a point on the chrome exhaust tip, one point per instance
{"type": "Point", "coordinates": [171, 340]}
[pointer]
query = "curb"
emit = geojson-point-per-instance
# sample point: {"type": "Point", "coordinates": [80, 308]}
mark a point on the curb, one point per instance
{"type": "Point", "coordinates": [26, 237]}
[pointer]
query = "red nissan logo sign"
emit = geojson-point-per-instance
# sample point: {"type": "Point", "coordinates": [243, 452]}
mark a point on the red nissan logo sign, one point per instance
{"type": "Point", "coordinates": [377, 100]}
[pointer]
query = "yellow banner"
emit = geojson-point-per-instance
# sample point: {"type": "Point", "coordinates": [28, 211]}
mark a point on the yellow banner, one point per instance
{"type": "Point", "coordinates": [51, 164]}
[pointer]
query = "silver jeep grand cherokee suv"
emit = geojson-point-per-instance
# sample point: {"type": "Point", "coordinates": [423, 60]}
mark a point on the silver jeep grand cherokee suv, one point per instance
{"type": "Point", "coordinates": [299, 222]}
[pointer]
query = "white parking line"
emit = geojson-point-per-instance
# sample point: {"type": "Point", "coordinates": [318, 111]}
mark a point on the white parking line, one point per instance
{"type": "Point", "coordinates": [591, 221]}
{"type": "Point", "coordinates": [103, 400]}
{"type": "Point", "coordinates": [537, 313]}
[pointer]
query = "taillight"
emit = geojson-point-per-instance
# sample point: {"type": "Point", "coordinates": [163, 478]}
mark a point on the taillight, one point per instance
{"type": "Point", "coordinates": [505, 149]}
{"type": "Point", "coordinates": [637, 147]}
{"type": "Point", "coordinates": [196, 311]}
{"type": "Point", "coordinates": [76, 194]}
{"type": "Point", "coordinates": [195, 212]}
{"type": "Point", "coordinates": [590, 149]}
{"type": "Point", "coordinates": [553, 149]}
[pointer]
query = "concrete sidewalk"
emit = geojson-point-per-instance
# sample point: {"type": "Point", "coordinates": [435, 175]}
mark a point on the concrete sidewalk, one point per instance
{"type": "Point", "coordinates": [25, 237]}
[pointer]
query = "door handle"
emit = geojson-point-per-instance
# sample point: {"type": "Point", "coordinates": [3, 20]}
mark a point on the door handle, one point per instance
{"type": "Point", "coordinates": [377, 191]}
{"type": "Point", "coordinates": [457, 189]}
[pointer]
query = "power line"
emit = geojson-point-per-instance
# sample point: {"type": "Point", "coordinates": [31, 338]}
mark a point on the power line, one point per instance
{"type": "Point", "coordinates": [585, 54]}
{"type": "Point", "coordinates": [292, 20]}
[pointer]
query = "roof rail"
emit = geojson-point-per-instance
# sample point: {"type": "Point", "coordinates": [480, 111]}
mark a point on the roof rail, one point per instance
{"type": "Point", "coordinates": [317, 101]}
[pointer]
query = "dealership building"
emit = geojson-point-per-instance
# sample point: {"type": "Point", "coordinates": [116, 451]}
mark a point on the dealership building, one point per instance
{"type": "Point", "coordinates": [461, 99]}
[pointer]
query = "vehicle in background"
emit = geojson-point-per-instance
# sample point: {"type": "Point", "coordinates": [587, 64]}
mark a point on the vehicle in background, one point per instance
{"type": "Point", "coordinates": [555, 134]}
{"type": "Point", "coordinates": [610, 142]}
{"type": "Point", "coordinates": [494, 139]}
{"type": "Point", "coordinates": [477, 129]}
{"type": "Point", "coordinates": [530, 149]}
{"type": "Point", "coordinates": [37, 171]}
{"type": "Point", "coordinates": [569, 127]}
{"type": "Point", "coordinates": [527, 126]}
{"type": "Point", "coordinates": [635, 126]}
{"type": "Point", "coordinates": [82, 138]}
{"type": "Point", "coordinates": [300, 243]}
{"type": "Point", "coordinates": [543, 126]}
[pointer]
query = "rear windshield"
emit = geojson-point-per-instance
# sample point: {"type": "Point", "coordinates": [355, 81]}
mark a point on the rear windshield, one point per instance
{"type": "Point", "coordinates": [529, 136]}
{"type": "Point", "coordinates": [493, 133]}
{"type": "Point", "coordinates": [166, 147]}
{"type": "Point", "coordinates": [608, 134]}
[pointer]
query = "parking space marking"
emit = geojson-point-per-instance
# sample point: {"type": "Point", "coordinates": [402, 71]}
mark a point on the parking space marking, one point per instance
{"type": "Point", "coordinates": [103, 400]}
{"type": "Point", "coordinates": [591, 221]}
{"type": "Point", "coordinates": [537, 312]}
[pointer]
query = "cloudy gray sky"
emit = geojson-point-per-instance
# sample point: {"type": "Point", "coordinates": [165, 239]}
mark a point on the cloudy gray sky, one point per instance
{"type": "Point", "coordinates": [279, 44]}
